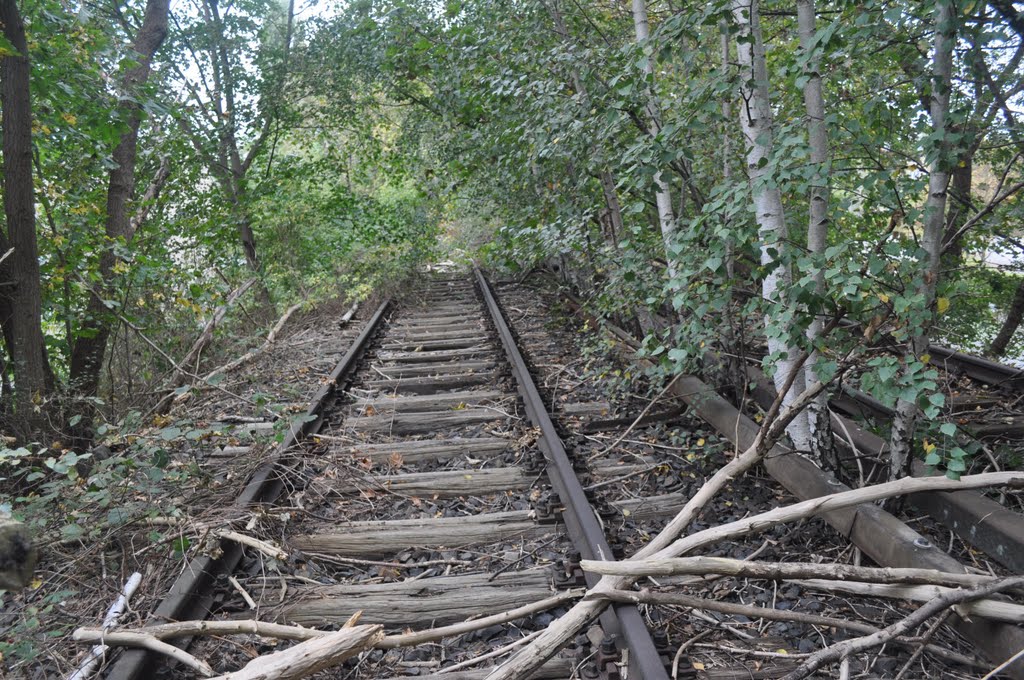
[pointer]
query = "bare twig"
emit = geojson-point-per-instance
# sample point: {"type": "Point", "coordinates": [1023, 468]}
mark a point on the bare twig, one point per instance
{"type": "Point", "coordinates": [844, 649]}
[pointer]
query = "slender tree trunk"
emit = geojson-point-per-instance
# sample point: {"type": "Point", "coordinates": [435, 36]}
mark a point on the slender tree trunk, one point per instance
{"type": "Point", "coordinates": [960, 208]}
{"type": "Point", "coordinates": [663, 194]}
{"type": "Point", "coordinates": [730, 264]}
{"type": "Point", "coordinates": [1013, 318]}
{"type": "Point", "coordinates": [28, 346]}
{"type": "Point", "coordinates": [756, 122]}
{"type": "Point", "coordinates": [905, 421]}
{"type": "Point", "coordinates": [90, 347]}
{"type": "Point", "coordinates": [822, 445]}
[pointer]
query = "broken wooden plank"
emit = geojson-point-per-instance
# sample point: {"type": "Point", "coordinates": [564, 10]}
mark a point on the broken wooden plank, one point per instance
{"type": "Point", "coordinates": [433, 357]}
{"type": "Point", "coordinates": [430, 385]}
{"type": "Point", "coordinates": [446, 483]}
{"type": "Point", "coordinates": [430, 402]}
{"type": "Point", "coordinates": [585, 408]}
{"type": "Point", "coordinates": [450, 368]}
{"type": "Point", "coordinates": [451, 343]}
{"type": "Point", "coordinates": [559, 668]}
{"type": "Point", "coordinates": [396, 423]}
{"type": "Point", "coordinates": [384, 538]}
{"type": "Point", "coordinates": [413, 603]}
{"type": "Point", "coordinates": [432, 449]}
{"type": "Point", "coordinates": [442, 333]}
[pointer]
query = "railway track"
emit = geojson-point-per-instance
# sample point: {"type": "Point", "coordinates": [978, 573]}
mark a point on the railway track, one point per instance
{"type": "Point", "coordinates": [435, 490]}
{"type": "Point", "coordinates": [428, 486]}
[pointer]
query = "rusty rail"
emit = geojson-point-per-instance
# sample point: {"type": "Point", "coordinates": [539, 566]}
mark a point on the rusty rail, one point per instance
{"type": "Point", "coordinates": [580, 520]}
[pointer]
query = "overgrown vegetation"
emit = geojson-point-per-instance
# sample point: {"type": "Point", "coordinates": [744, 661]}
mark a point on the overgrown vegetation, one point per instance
{"type": "Point", "coordinates": [840, 171]}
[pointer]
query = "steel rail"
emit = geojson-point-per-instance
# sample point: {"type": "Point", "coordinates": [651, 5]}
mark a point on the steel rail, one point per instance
{"type": "Point", "coordinates": [580, 519]}
{"type": "Point", "coordinates": [191, 595]}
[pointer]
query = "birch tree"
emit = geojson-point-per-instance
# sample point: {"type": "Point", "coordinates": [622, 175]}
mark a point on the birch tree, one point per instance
{"type": "Point", "coordinates": [663, 194]}
{"type": "Point", "coordinates": [933, 228]}
{"type": "Point", "coordinates": [821, 442]}
{"type": "Point", "coordinates": [756, 122]}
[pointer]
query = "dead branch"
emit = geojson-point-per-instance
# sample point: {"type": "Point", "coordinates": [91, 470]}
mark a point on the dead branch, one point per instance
{"type": "Point", "coordinates": [169, 631]}
{"type": "Point", "coordinates": [420, 637]}
{"type": "Point", "coordinates": [311, 656]}
{"type": "Point", "coordinates": [844, 649]}
{"type": "Point", "coordinates": [253, 353]}
{"type": "Point", "coordinates": [141, 640]}
{"type": "Point", "coordinates": [92, 660]}
{"type": "Point", "coordinates": [702, 566]}
{"type": "Point", "coordinates": [990, 609]}
{"type": "Point", "coordinates": [181, 371]}
{"type": "Point", "coordinates": [770, 614]}
{"type": "Point", "coordinates": [662, 546]}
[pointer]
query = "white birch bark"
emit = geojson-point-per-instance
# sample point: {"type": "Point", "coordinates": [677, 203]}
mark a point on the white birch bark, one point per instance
{"type": "Point", "coordinates": [756, 122]}
{"type": "Point", "coordinates": [905, 421]}
{"type": "Point", "coordinates": [663, 194]}
{"type": "Point", "coordinates": [819, 427]}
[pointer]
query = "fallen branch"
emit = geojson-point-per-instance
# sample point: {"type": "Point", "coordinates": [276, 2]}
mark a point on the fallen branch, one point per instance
{"type": "Point", "coordinates": [181, 371]}
{"type": "Point", "coordinates": [311, 656]}
{"type": "Point", "coordinates": [564, 629]}
{"type": "Point", "coordinates": [770, 614]}
{"type": "Point", "coordinates": [267, 549]}
{"type": "Point", "coordinates": [844, 649]}
{"type": "Point", "coordinates": [140, 640]}
{"type": "Point", "coordinates": [169, 631]}
{"type": "Point", "coordinates": [990, 609]}
{"type": "Point", "coordinates": [702, 566]}
{"type": "Point", "coordinates": [420, 637]}
{"type": "Point", "coordinates": [253, 353]}
{"type": "Point", "coordinates": [347, 316]}
{"type": "Point", "coordinates": [92, 659]}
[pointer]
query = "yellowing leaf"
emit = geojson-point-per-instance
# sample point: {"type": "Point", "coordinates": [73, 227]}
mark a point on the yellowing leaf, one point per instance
{"type": "Point", "coordinates": [700, 442]}
{"type": "Point", "coordinates": [925, 358]}
{"type": "Point", "coordinates": [36, 583]}
{"type": "Point", "coordinates": [626, 513]}
{"type": "Point", "coordinates": [697, 665]}
{"type": "Point", "coordinates": [941, 305]}
{"type": "Point", "coordinates": [928, 446]}
{"type": "Point", "coordinates": [781, 651]}
{"type": "Point", "coordinates": [883, 297]}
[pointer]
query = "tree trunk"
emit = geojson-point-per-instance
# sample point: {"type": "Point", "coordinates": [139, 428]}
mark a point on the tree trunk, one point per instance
{"type": "Point", "coordinates": [905, 422]}
{"type": "Point", "coordinates": [663, 195]}
{"type": "Point", "coordinates": [90, 347]}
{"type": "Point", "coordinates": [756, 122]}
{"type": "Point", "coordinates": [1013, 318]}
{"type": "Point", "coordinates": [823, 448]}
{"type": "Point", "coordinates": [28, 346]}
{"type": "Point", "coordinates": [963, 175]}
